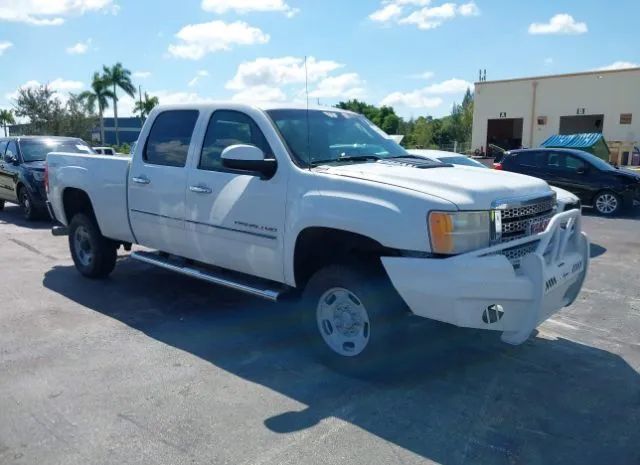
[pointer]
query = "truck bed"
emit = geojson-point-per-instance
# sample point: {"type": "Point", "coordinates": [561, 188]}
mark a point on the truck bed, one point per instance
{"type": "Point", "coordinates": [103, 178]}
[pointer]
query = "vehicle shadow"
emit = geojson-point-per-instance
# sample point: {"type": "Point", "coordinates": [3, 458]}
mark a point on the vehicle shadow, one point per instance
{"type": "Point", "coordinates": [12, 214]}
{"type": "Point", "coordinates": [626, 214]}
{"type": "Point", "coordinates": [596, 250]}
{"type": "Point", "coordinates": [460, 397]}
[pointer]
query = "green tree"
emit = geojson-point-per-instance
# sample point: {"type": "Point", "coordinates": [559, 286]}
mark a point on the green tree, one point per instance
{"type": "Point", "coordinates": [42, 108]}
{"type": "Point", "coordinates": [98, 95]}
{"type": "Point", "coordinates": [78, 118]}
{"type": "Point", "coordinates": [117, 76]}
{"type": "Point", "coordinates": [6, 118]}
{"type": "Point", "coordinates": [145, 105]}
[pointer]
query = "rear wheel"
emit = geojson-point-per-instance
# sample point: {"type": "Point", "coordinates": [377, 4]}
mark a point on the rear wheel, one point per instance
{"type": "Point", "coordinates": [353, 316]}
{"type": "Point", "coordinates": [26, 203]}
{"type": "Point", "coordinates": [607, 203]}
{"type": "Point", "coordinates": [93, 254]}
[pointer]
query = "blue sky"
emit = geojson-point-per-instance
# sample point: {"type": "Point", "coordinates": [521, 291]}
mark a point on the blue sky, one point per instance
{"type": "Point", "coordinates": [417, 55]}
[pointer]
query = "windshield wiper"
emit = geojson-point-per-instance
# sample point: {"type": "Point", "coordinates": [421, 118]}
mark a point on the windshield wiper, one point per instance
{"type": "Point", "coordinates": [347, 159]}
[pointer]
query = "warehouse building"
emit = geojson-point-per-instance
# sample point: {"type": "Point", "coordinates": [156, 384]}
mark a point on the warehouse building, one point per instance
{"type": "Point", "coordinates": [525, 112]}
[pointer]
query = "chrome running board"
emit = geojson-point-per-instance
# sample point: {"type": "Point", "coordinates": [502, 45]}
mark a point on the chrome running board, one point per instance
{"type": "Point", "coordinates": [230, 279]}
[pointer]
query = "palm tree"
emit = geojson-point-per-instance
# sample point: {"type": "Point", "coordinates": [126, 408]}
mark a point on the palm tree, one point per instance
{"type": "Point", "coordinates": [118, 76]}
{"type": "Point", "coordinates": [6, 117]}
{"type": "Point", "coordinates": [100, 94]}
{"type": "Point", "coordinates": [145, 106]}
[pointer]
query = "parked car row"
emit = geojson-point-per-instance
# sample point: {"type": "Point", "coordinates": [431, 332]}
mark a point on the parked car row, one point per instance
{"type": "Point", "coordinates": [597, 183]}
{"type": "Point", "coordinates": [22, 173]}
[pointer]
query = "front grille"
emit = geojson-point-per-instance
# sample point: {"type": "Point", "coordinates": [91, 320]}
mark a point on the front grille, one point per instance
{"type": "Point", "coordinates": [517, 221]}
{"type": "Point", "coordinates": [515, 254]}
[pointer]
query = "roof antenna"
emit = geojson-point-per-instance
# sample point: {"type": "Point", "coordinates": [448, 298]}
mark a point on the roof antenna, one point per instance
{"type": "Point", "coordinates": [306, 90]}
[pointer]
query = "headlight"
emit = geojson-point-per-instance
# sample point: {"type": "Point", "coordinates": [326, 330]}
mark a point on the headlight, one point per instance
{"type": "Point", "coordinates": [453, 233]}
{"type": "Point", "coordinates": [38, 175]}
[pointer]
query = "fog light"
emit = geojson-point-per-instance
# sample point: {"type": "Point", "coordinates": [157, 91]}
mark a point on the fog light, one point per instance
{"type": "Point", "coordinates": [493, 314]}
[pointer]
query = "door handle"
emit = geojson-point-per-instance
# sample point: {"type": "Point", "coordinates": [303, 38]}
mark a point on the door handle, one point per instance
{"type": "Point", "coordinates": [140, 180]}
{"type": "Point", "coordinates": [200, 189]}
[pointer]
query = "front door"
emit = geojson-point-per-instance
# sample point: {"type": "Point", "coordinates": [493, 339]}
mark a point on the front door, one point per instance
{"type": "Point", "coordinates": [235, 219]}
{"type": "Point", "coordinates": [157, 182]}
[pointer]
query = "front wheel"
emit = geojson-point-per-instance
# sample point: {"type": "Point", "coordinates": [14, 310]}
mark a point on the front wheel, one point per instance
{"type": "Point", "coordinates": [26, 203]}
{"type": "Point", "coordinates": [93, 254]}
{"type": "Point", "coordinates": [607, 203]}
{"type": "Point", "coordinates": [353, 316]}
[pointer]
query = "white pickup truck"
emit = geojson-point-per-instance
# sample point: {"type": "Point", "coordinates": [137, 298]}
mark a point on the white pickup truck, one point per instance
{"type": "Point", "coordinates": [277, 198]}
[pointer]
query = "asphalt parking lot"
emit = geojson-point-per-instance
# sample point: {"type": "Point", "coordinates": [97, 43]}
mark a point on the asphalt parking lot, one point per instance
{"type": "Point", "coordinates": [153, 368]}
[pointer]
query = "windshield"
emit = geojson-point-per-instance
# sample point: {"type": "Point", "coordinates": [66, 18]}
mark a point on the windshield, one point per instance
{"type": "Point", "coordinates": [333, 136]}
{"type": "Point", "coordinates": [37, 149]}
{"type": "Point", "coordinates": [462, 160]}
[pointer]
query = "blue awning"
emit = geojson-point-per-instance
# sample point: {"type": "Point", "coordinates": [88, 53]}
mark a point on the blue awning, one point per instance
{"type": "Point", "coordinates": [574, 141]}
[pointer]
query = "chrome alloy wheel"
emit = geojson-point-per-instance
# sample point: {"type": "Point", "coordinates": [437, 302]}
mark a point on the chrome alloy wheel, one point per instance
{"type": "Point", "coordinates": [343, 322]}
{"type": "Point", "coordinates": [606, 203]}
{"type": "Point", "coordinates": [82, 246]}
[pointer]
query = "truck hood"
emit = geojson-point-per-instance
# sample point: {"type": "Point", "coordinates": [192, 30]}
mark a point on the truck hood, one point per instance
{"type": "Point", "coordinates": [468, 187]}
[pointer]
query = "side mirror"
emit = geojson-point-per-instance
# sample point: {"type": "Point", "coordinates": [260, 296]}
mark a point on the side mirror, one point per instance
{"type": "Point", "coordinates": [248, 158]}
{"type": "Point", "coordinates": [582, 170]}
{"type": "Point", "coordinates": [12, 159]}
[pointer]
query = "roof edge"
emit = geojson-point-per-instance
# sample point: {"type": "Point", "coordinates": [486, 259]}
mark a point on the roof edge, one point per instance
{"type": "Point", "coordinates": [554, 76]}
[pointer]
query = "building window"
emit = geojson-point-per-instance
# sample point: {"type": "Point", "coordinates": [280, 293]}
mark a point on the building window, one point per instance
{"type": "Point", "coordinates": [542, 120]}
{"type": "Point", "coordinates": [625, 118]}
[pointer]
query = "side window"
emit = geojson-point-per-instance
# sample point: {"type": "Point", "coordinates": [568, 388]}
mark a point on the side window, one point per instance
{"type": "Point", "coordinates": [12, 151]}
{"type": "Point", "coordinates": [530, 159]}
{"type": "Point", "coordinates": [3, 147]}
{"type": "Point", "coordinates": [170, 137]}
{"type": "Point", "coordinates": [227, 128]}
{"type": "Point", "coordinates": [555, 161]}
{"type": "Point", "coordinates": [575, 164]}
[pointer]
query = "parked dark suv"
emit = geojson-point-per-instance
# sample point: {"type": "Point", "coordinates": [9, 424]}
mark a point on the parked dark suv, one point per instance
{"type": "Point", "coordinates": [594, 181]}
{"type": "Point", "coordinates": [22, 169]}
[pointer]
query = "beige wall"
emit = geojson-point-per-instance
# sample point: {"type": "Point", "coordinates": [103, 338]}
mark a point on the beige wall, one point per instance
{"type": "Point", "coordinates": [607, 93]}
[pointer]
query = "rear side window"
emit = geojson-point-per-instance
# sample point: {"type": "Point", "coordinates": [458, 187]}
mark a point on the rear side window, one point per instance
{"type": "Point", "coordinates": [531, 159]}
{"type": "Point", "coordinates": [170, 137]}
{"type": "Point", "coordinates": [228, 128]}
{"type": "Point", "coordinates": [3, 146]}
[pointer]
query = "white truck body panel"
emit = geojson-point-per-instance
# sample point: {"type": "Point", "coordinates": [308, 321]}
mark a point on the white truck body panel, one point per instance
{"type": "Point", "coordinates": [248, 224]}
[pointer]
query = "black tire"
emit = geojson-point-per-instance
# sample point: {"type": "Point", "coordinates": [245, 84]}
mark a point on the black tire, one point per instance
{"type": "Point", "coordinates": [26, 204]}
{"type": "Point", "coordinates": [93, 254]}
{"type": "Point", "coordinates": [367, 286]}
{"type": "Point", "coordinates": [607, 203]}
{"type": "Point", "coordinates": [1, 205]}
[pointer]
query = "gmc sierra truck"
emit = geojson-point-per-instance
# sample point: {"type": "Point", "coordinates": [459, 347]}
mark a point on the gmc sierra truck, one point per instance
{"type": "Point", "coordinates": [277, 199]}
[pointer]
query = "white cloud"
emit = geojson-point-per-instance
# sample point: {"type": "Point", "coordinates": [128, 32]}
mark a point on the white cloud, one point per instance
{"type": "Point", "coordinates": [197, 40]}
{"type": "Point", "coordinates": [80, 48]}
{"type": "Point", "coordinates": [247, 6]}
{"type": "Point", "coordinates": [280, 71]}
{"type": "Point", "coordinates": [430, 17]}
{"type": "Point", "coordinates": [260, 93]}
{"type": "Point", "coordinates": [386, 13]}
{"type": "Point", "coordinates": [273, 79]}
{"type": "Point", "coordinates": [427, 97]}
{"type": "Point", "coordinates": [469, 9]}
{"type": "Point", "coordinates": [343, 86]}
{"type": "Point", "coordinates": [61, 86]}
{"type": "Point", "coordinates": [421, 12]}
{"type": "Point", "coordinates": [199, 75]}
{"type": "Point", "coordinates": [50, 12]}
{"type": "Point", "coordinates": [141, 74]}
{"type": "Point", "coordinates": [619, 65]}
{"type": "Point", "coordinates": [559, 24]}
{"type": "Point", "coordinates": [4, 46]}
{"type": "Point", "coordinates": [426, 75]}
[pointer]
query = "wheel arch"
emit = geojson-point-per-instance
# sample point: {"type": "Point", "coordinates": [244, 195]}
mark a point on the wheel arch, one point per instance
{"type": "Point", "coordinates": [318, 246]}
{"type": "Point", "coordinates": [75, 201]}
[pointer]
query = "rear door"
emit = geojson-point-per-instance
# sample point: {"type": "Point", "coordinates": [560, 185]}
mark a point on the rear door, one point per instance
{"type": "Point", "coordinates": [158, 179]}
{"type": "Point", "coordinates": [3, 181]}
{"type": "Point", "coordinates": [9, 172]}
{"type": "Point", "coordinates": [527, 162]}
